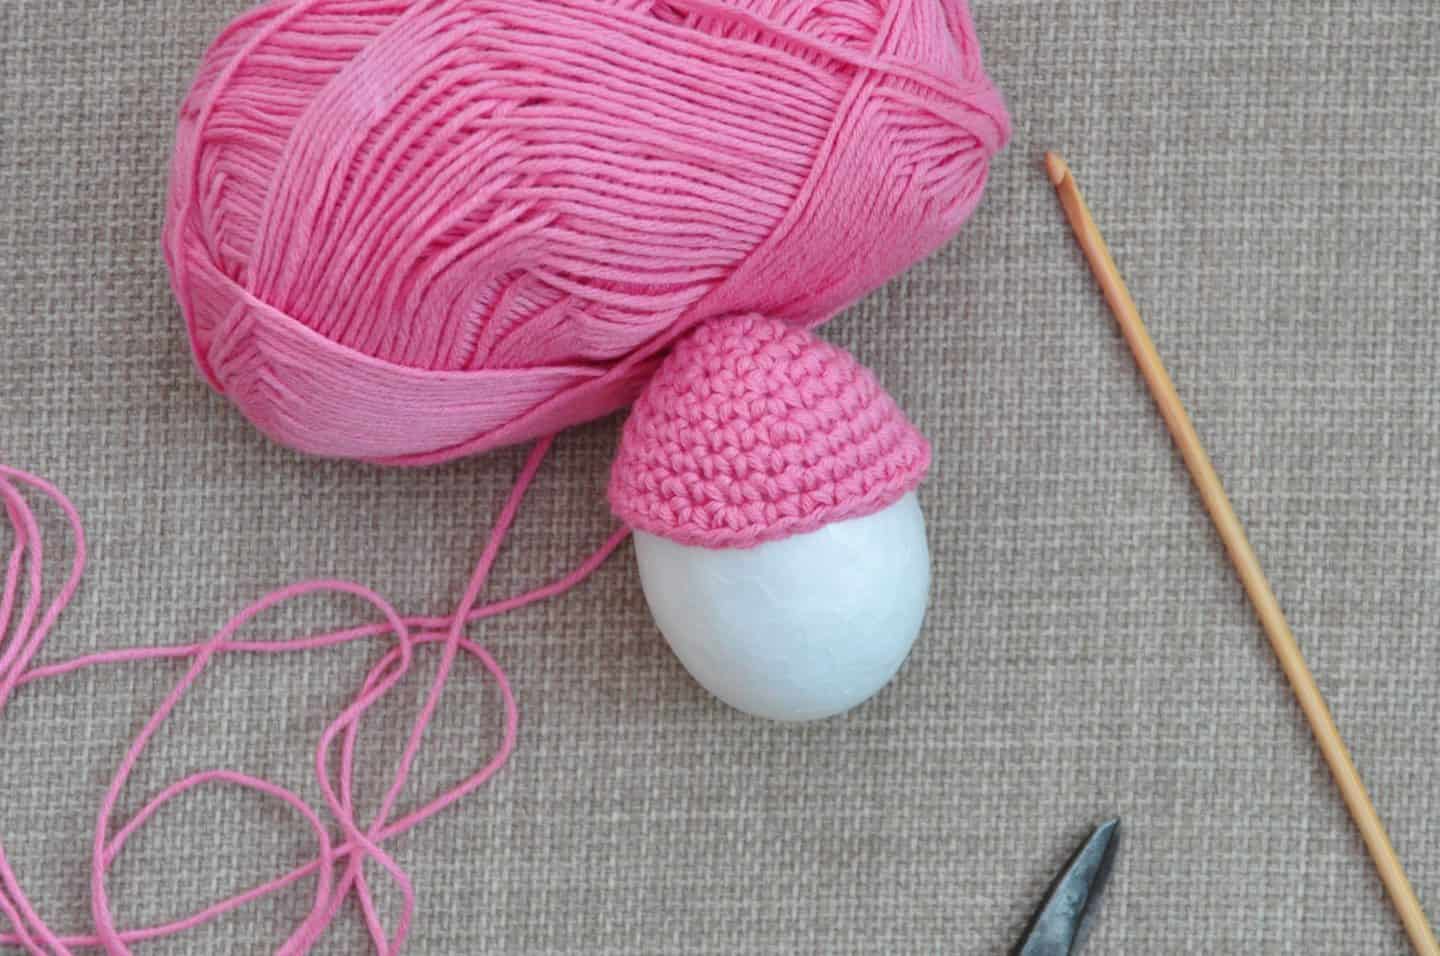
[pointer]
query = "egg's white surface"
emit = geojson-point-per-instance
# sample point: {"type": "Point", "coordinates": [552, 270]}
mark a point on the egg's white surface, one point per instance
{"type": "Point", "coordinates": [797, 629]}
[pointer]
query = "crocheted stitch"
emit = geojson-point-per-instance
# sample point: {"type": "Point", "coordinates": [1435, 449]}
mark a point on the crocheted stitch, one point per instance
{"type": "Point", "coordinates": [754, 430]}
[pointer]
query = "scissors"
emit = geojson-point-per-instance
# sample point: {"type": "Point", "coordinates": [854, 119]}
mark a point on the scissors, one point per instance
{"type": "Point", "coordinates": [1058, 927]}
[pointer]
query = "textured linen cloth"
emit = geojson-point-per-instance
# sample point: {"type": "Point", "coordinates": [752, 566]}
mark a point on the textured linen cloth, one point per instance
{"type": "Point", "coordinates": [1268, 176]}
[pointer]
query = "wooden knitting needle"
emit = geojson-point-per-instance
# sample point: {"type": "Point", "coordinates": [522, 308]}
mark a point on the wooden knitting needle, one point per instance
{"type": "Point", "coordinates": [1232, 533]}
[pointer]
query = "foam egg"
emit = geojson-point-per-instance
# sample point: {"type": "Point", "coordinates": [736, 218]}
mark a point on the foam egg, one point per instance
{"type": "Point", "coordinates": [801, 628]}
{"type": "Point", "coordinates": [770, 482]}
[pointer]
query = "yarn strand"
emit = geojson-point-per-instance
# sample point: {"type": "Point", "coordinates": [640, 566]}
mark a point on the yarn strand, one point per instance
{"type": "Point", "coordinates": [338, 865]}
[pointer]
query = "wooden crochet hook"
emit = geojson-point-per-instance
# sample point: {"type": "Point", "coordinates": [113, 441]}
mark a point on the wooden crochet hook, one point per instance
{"type": "Point", "coordinates": [1232, 533]}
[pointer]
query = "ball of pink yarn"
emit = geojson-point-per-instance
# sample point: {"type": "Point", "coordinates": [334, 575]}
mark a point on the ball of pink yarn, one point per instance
{"type": "Point", "coordinates": [409, 231]}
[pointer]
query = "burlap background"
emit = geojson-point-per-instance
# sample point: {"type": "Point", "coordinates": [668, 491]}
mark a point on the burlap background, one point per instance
{"type": "Point", "coordinates": [1268, 174]}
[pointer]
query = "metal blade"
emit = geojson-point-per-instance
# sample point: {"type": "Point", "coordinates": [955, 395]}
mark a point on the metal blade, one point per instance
{"type": "Point", "coordinates": [1057, 927]}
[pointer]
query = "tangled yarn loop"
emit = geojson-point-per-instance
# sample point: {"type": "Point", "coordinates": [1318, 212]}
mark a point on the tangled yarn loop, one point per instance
{"type": "Point", "coordinates": [26, 619]}
{"type": "Point", "coordinates": [412, 231]}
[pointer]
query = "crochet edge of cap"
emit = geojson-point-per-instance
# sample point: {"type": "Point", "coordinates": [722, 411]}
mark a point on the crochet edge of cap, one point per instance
{"type": "Point", "coordinates": [629, 500]}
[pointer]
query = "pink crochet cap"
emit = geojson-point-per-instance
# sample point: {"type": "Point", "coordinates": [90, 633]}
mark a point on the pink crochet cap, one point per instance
{"type": "Point", "coordinates": [754, 430]}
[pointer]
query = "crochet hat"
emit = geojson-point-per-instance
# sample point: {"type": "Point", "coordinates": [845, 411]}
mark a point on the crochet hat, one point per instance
{"type": "Point", "coordinates": [754, 430]}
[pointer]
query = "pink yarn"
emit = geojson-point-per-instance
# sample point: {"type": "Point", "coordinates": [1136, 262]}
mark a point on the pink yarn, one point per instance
{"type": "Point", "coordinates": [411, 231]}
{"type": "Point", "coordinates": [754, 430]}
{"type": "Point", "coordinates": [25, 624]}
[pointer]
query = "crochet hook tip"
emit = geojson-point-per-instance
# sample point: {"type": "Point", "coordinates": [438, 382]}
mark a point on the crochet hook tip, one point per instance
{"type": "Point", "coordinates": [1056, 169]}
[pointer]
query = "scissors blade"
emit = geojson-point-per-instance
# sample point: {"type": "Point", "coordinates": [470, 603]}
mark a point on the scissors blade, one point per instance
{"type": "Point", "coordinates": [1056, 927]}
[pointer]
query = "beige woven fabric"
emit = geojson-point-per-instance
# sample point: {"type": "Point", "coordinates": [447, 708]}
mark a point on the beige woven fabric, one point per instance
{"type": "Point", "coordinates": [1268, 176]}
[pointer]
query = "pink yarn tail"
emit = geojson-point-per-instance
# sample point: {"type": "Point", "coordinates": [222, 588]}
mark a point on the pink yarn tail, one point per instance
{"type": "Point", "coordinates": [338, 864]}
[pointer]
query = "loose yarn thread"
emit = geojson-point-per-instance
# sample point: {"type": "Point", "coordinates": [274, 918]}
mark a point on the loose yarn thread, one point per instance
{"type": "Point", "coordinates": [26, 622]}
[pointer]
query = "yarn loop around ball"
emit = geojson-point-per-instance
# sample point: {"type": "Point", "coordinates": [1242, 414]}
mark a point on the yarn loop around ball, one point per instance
{"type": "Point", "coordinates": [409, 232]}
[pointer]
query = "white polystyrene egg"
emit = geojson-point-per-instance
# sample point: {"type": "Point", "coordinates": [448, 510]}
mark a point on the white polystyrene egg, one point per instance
{"type": "Point", "coordinates": [801, 628]}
